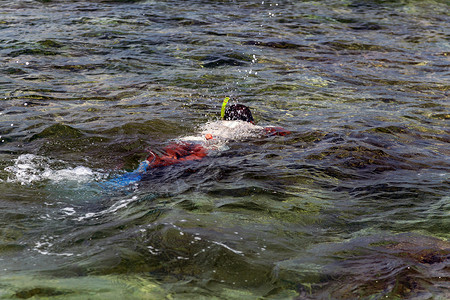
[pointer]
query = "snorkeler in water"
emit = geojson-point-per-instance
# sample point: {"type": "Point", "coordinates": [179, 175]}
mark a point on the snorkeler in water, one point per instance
{"type": "Point", "coordinates": [196, 149]}
{"type": "Point", "coordinates": [237, 123]}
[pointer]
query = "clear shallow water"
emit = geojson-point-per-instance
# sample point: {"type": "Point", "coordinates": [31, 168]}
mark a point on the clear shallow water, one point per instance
{"type": "Point", "coordinates": [354, 203]}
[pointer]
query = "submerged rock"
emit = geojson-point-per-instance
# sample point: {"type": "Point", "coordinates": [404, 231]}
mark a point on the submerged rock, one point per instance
{"type": "Point", "coordinates": [404, 265]}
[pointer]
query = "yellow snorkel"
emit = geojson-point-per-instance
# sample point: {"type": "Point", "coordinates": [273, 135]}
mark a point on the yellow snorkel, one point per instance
{"type": "Point", "coordinates": [224, 105]}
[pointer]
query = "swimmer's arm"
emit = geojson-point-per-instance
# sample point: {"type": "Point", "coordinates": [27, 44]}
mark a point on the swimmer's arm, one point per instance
{"type": "Point", "coordinates": [270, 131]}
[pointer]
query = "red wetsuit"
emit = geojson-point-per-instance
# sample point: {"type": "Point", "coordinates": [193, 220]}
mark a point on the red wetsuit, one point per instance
{"type": "Point", "coordinates": [176, 153]}
{"type": "Point", "coordinates": [179, 152]}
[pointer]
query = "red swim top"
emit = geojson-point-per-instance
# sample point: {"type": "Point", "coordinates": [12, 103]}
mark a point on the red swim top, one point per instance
{"type": "Point", "coordinates": [176, 153]}
{"type": "Point", "coordinates": [179, 152]}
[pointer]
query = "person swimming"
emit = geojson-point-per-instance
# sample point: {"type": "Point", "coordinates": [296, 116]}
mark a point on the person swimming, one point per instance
{"type": "Point", "coordinates": [237, 123]}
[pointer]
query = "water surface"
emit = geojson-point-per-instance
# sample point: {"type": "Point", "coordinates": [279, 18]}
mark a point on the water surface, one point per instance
{"type": "Point", "coordinates": [353, 204]}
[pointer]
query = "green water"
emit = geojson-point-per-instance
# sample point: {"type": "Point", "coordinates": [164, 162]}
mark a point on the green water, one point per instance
{"type": "Point", "coordinates": [354, 203]}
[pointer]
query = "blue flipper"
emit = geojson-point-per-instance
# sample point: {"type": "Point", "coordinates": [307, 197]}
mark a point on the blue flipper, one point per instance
{"type": "Point", "coordinates": [127, 178]}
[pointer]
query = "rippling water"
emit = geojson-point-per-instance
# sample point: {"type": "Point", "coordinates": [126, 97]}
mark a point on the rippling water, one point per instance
{"type": "Point", "coordinates": [354, 203]}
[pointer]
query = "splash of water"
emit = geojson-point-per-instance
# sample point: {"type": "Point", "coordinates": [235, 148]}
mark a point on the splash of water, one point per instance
{"type": "Point", "coordinates": [30, 168]}
{"type": "Point", "coordinates": [222, 132]}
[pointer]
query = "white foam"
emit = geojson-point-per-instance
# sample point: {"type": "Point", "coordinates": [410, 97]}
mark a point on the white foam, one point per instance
{"type": "Point", "coordinates": [80, 174]}
{"type": "Point", "coordinates": [44, 249]}
{"type": "Point", "coordinates": [229, 248]}
{"type": "Point", "coordinates": [68, 210]}
{"type": "Point", "coordinates": [231, 130]}
{"type": "Point", "coordinates": [30, 168]}
{"type": "Point", "coordinates": [112, 209]}
{"type": "Point", "coordinates": [224, 131]}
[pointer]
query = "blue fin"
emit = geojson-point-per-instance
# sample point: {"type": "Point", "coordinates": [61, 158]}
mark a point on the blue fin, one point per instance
{"type": "Point", "coordinates": [127, 178]}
